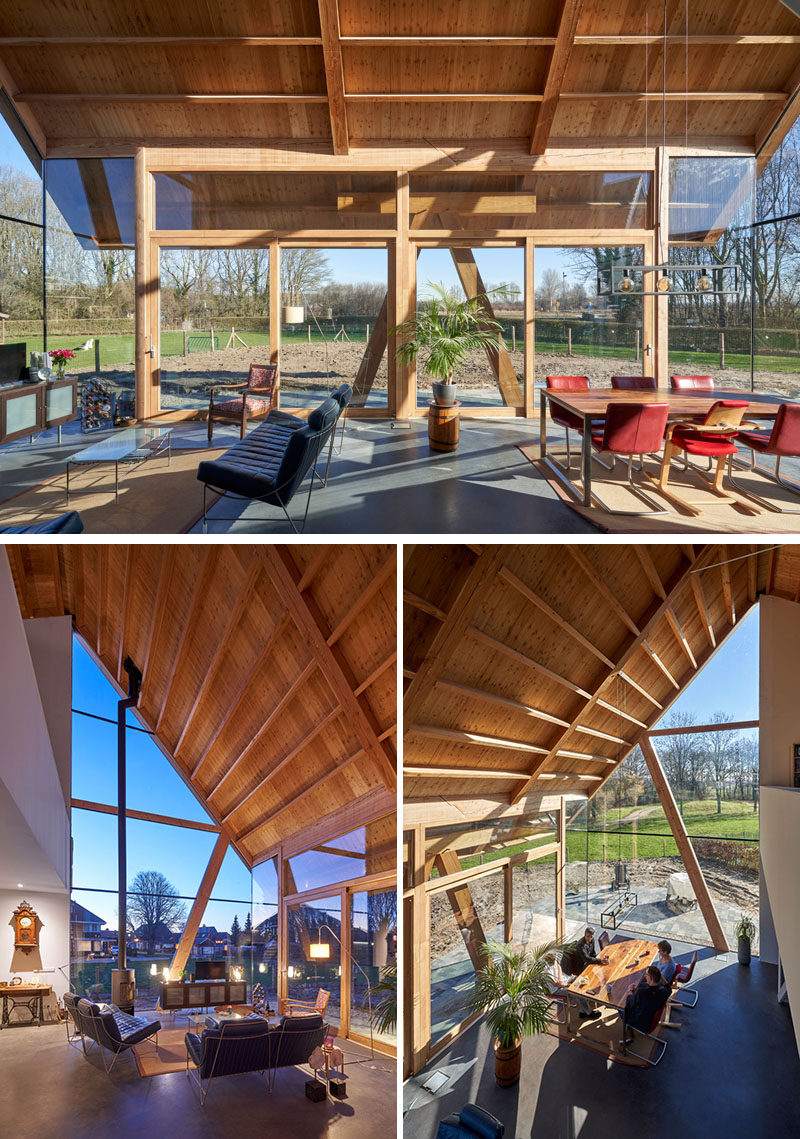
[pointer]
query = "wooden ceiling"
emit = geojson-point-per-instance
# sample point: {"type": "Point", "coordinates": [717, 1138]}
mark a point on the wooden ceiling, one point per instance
{"type": "Point", "coordinates": [533, 670]}
{"type": "Point", "coordinates": [356, 73]}
{"type": "Point", "coordinates": [269, 671]}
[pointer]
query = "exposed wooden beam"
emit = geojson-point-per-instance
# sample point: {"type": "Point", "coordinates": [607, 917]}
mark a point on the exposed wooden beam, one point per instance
{"type": "Point", "coordinates": [332, 663]}
{"type": "Point", "coordinates": [619, 712]}
{"type": "Point", "coordinates": [585, 757]}
{"type": "Point", "coordinates": [559, 60]}
{"type": "Point", "coordinates": [702, 609]}
{"type": "Point", "coordinates": [456, 735]}
{"type": "Point", "coordinates": [775, 126]}
{"type": "Point", "coordinates": [144, 816]}
{"type": "Point", "coordinates": [499, 359]}
{"type": "Point", "coordinates": [463, 908]}
{"type": "Point", "coordinates": [752, 574]}
{"type": "Point", "coordinates": [286, 698]}
{"type": "Point", "coordinates": [502, 701]}
{"type": "Point", "coordinates": [727, 587]}
{"type": "Point", "coordinates": [109, 97]}
{"type": "Point", "coordinates": [601, 587]}
{"type": "Point", "coordinates": [380, 576]}
{"type": "Point", "coordinates": [660, 664]}
{"type": "Point", "coordinates": [563, 624]}
{"type": "Point", "coordinates": [725, 726]}
{"type": "Point", "coordinates": [462, 773]}
{"type": "Point", "coordinates": [550, 41]}
{"type": "Point", "coordinates": [184, 947]}
{"type": "Point", "coordinates": [424, 606]}
{"type": "Point", "coordinates": [90, 40]}
{"type": "Point", "coordinates": [684, 845]}
{"type": "Point", "coordinates": [642, 691]}
{"type": "Point", "coordinates": [649, 567]}
{"type": "Point", "coordinates": [334, 73]}
{"type": "Point", "coordinates": [678, 96]}
{"type": "Point", "coordinates": [307, 739]}
{"type": "Point", "coordinates": [314, 566]}
{"type": "Point", "coordinates": [587, 731]}
{"type": "Point", "coordinates": [771, 565]}
{"type": "Point", "coordinates": [199, 600]}
{"type": "Point", "coordinates": [680, 636]}
{"type": "Point", "coordinates": [377, 672]}
{"type": "Point", "coordinates": [528, 662]}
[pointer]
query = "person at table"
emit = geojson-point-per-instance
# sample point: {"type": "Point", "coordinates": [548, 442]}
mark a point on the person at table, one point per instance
{"type": "Point", "coordinates": [643, 1002]}
{"type": "Point", "coordinates": [583, 955]}
{"type": "Point", "coordinates": [665, 963]}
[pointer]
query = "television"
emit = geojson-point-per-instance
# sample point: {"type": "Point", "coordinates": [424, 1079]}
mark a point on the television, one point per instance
{"type": "Point", "coordinates": [209, 970]}
{"type": "Point", "coordinates": [13, 363]}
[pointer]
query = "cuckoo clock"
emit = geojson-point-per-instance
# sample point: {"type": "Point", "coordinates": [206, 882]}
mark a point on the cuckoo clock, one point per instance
{"type": "Point", "coordinates": [26, 927]}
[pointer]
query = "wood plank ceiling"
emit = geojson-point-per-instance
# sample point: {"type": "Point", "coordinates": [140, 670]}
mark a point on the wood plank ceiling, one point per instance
{"type": "Point", "coordinates": [269, 671]}
{"type": "Point", "coordinates": [358, 72]}
{"type": "Point", "coordinates": [534, 670]}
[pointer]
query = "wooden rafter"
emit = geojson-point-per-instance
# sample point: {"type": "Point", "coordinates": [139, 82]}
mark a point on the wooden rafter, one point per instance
{"type": "Point", "coordinates": [680, 636]}
{"type": "Point", "coordinates": [559, 60]}
{"type": "Point", "coordinates": [334, 73]}
{"type": "Point", "coordinates": [502, 701]}
{"type": "Point", "coordinates": [462, 773]}
{"type": "Point", "coordinates": [602, 588]}
{"type": "Point", "coordinates": [456, 735]}
{"type": "Point", "coordinates": [528, 662]}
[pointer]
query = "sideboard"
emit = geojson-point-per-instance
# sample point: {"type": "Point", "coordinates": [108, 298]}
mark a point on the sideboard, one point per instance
{"type": "Point", "coordinates": [26, 409]}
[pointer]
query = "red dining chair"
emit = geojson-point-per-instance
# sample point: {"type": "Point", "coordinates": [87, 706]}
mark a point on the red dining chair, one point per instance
{"type": "Point", "coordinates": [783, 440]}
{"type": "Point", "coordinates": [683, 974]}
{"type": "Point", "coordinates": [603, 939]}
{"type": "Point", "coordinates": [713, 439]}
{"type": "Point", "coordinates": [632, 429]}
{"type": "Point", "coordinates": [656, 1058]}
{"type": "Point", "coordinates": [691, 383]}
{"type": "Point", "coordinates": [566, 419]}
{"type": "Point", "coordinates": [634, 383]}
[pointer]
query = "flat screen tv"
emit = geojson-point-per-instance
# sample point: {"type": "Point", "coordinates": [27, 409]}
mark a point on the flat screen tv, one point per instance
{"type": "Point", "coordinates": [209, 971]}
{"type": "Point", "coordinates": [12, 363]}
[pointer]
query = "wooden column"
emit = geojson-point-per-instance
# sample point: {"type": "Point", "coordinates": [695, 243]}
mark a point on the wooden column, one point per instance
{"type": "Point", "coordinates": [561, 878]}
{"type": "Point", "coordinates": [184, 946]}
{"type": "Point", "coordinates": [283, 933]}
{"type": "Point", "coordinates": [529, 302]}
{"type": "Point", "coordinates": [346, 958]}
{"type": "Point", "coordinates": [499, 359]}
{"type": "Point", "coordinates": [404, 300]}
{"type": "Point", "coordinates": [141, 280]}
{"type": "Point", "coordinates": [418, 960]}
{"type": "Point", "coordinates": [662, 257]}
{"type": "Point", "coordinates": [508, 904]}
{"type": "Point", "coordinates": [275, 311]}
{"type": "Point", "coordinates": [370, 361]}
{"type": "Point", "coordinates": [684, 845]}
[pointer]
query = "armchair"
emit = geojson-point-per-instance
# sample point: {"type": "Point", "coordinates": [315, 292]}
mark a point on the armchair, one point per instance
{"type": "Point", "coordinates": [228, 1049]}
{"type": "Point", "coordinates": [472, 1121]}
{"type": "Point", "coordinates": [111, 1029]}
{"type": "Point", "coordinates": [258, 394]}
{"type": "Point", "coordinates": [304, 1008]}
{"type": "Point", "coordinates": [293, 1041]}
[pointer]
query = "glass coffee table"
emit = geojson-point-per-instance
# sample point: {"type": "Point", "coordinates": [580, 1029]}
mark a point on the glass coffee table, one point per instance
{"type": "Point", "coordinates": [126, 448]}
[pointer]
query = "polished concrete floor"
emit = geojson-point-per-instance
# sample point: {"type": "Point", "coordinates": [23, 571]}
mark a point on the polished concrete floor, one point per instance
{"type": "Point", "coordinates": [731, 1072]}
{"type": "Point", "coordinates": [50, 1090]}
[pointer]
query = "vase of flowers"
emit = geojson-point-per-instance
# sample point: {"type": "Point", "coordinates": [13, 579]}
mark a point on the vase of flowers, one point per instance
{"type": "Point", "coordinates": [60, 357]}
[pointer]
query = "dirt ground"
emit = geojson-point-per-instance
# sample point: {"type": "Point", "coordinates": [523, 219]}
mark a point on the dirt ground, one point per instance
{"type": "Point", "coordinates": [304, 366]}
{"type": "Point", "coordinates": [532, 883]}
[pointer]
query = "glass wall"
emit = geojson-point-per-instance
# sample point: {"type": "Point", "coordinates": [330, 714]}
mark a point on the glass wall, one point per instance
{"type": "Point", "coordinates": [306, 975]}
{"type": "Point", "coordinates": [577, 330]}
{"type": "Point", "coordinates": [373, 976]}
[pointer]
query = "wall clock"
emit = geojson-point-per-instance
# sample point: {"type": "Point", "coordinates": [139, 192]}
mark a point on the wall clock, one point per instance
{"type": "Point", "coordinates": [26, 927]}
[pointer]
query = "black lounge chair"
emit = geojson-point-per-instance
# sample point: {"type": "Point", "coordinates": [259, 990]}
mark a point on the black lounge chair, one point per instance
{"type": "Point", "coordinates": [113, 1030]}
{"type": "Point", "coordinates": [471, 1121]}
{"type": "Point", "coordinates": [69, 523]}
{"type": "Point", "coordinates": [343, 394]}
{"type": "Point", "coordinates": [270, 464]}
{"type": "Point", "coordinates": [228, 1049]}
{"type": "Point", "coordinates": [294, 1039]}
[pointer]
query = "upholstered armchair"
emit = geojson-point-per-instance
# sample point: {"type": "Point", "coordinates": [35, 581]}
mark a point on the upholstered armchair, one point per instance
{"type": "Point", "coordinates": [471, 1121]}
{"type": "Point", "coordinates": [228, 1049]}
{"type": "Point", "coordinates": [258, 395]}
{"type": "Point", "coordinates": [113, 1030]}
{"type": "Point", "coordinates": [293, 1041]}
{"type": "Point", "coordinates": [305, 1008]}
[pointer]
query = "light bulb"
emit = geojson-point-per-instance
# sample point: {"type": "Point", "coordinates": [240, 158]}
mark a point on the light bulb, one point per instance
{"type": "Point", "coordinates": [704, 283]}
{"type": "Point", "coordinates": [154, 970]}
{"type": "Point", "coordinates": [663, 284]}
{"type": "Point", "coordinates": [625, 284]}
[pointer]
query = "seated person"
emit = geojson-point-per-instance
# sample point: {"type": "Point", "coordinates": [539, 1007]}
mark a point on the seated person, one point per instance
{"type": "Point", "coordinates": [644, 1001]}
{"type": "Point", "coordinates": [665, 963]}
{"type": "Point", "coordinates": [584, 954]}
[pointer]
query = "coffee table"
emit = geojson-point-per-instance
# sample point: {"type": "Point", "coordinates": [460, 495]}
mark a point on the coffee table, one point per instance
{"type": "Point", "coordinates": [128, 448]}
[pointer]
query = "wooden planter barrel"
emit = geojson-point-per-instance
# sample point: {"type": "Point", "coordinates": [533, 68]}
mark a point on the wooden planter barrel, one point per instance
{"type": "Point", "coordinates": [443, 426]}
{"type": "Point", "coordinates": [507, 1064]}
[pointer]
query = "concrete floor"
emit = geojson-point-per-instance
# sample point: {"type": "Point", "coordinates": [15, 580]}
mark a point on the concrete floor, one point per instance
{"type": "Point", "coordinates": [49, 1090]}
{"type": "Point", "coordinates": [731, 1072]}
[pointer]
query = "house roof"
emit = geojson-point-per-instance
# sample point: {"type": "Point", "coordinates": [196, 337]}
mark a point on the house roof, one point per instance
{"type": "Point", "coordinates": [79, 913]}
{"type": "Point", "coordinates": [338, 75]}
{"type": "Point", "coordinates": [269, 672]}
{"type": "Point", "coordinates": [532, 671]}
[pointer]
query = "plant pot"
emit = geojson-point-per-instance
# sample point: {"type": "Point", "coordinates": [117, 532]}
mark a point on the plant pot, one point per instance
{"type": "Point", "coordinates": [744, 951]}
{"type": "Point", "coordinates": [293, 314]}
{"type": "Point", "coordinates": [507, 1063]}
{"type": "Point", "coordinates": [444, 394]}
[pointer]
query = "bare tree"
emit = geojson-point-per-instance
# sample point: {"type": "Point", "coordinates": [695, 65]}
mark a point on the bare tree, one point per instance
{"type": "Point", "coordinates": [303, 273]}
{"type": "Point", "coordinates": [679, 755]}
{"type": "Point", "coordinates": [152, 902]}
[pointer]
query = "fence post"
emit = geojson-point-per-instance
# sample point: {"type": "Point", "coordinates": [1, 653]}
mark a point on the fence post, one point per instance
{"type": "Point", "coordinates": [308, 326]}
{"type": "Point", "coordinates": [569, 341]}
{"type": "Point", "coordinates": [212, 337]}
{"type": "Point", "coordinates": [722, 349]}
{"type": "Point", "coordinates": [663, 848]}
{"type": "Point", "coordinates": [366, 336]}
{"type": "Point", "coordinates": [638, 347]}
{"type": "Point", "coordinates": [185, 343]}
{"type": "Point", "coordinates": [97, 354]}
{"type": "Point", "coordinates": [513, 337]}
{"type": "Point", "coordinates": [604, 852]}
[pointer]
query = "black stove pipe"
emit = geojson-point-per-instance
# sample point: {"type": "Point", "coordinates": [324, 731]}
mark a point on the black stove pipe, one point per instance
{"type": "Point", "coordinates": [134, 688]}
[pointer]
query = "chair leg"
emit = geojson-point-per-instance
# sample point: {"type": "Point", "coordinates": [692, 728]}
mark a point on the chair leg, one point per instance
{"type": "Point", "coordinates": [770, 478]}
{"type": "Point", "coordinates": [655, 507]}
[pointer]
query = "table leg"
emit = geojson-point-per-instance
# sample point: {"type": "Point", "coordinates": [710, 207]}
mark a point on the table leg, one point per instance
{"type": "Point", "coordinates": [68, 484]}
{"type": "Point", "coordinates": [116, 483]}
{"type": "Point", "coordinates": [587, 461]}
{"type": "Point", "coordinates": [169, 449]}
{"type": "Point", "coordinates": [542, 424]}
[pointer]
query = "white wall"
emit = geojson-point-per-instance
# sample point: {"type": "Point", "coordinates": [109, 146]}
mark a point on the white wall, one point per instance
{"type": "Point", "coordinates": [780, 858]}
{"type": "Point", "coordinates": [53, 951]}
{"type": "Point", "coordinates": [50, 646]}
{"type": "Point", "coordinates": [27, 764]}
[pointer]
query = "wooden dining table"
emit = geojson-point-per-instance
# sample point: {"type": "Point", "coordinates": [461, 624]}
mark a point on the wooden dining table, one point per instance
{"type": "Point", "coordinates": [610, 984]}
{"type": "Point", "coordinates": [592, 406]}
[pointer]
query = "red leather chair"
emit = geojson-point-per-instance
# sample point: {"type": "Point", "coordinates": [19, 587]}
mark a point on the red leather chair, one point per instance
{"type": "Point", "coordinates": [634, 383]}
{"type": "Point", "coordinates": [603, 939]}
{"type": "Point", "coordinates": [712, 439]}
{"type": "Point", "coordinates": [633, 429]}
{"type": "Point", "coordinates": [691, 383]}
{"type": "Point", "coordinates": [784, 439]}
{"type": "Point", "coordinates": [560, 415]}
{"type": "Point", "coordinates": [683, 974]}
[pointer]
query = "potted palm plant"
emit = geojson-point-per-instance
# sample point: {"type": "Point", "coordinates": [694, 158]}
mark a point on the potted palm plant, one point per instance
{"type": "Point", "coordinates": [445, 330]}
{"type": "Point", "coordinates": [384, 1012]}
{"type": "Point", "coordinates": [745, 933]}
{"type": "Point", "coordinates": [512, 988]}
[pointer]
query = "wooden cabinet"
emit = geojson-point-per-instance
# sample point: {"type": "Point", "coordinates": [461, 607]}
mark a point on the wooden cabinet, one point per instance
{"type": "Point", "coordinates": [26, 409]}
{"type": "Point", "coordinates": [202, 994]}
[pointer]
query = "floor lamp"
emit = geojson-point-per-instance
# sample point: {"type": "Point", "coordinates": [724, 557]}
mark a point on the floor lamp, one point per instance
{"type": "Point", "coordinates": [321, 951]}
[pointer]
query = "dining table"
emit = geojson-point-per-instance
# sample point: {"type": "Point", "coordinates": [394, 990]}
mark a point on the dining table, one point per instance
{"type": "Point", "coordinates": [591, 407]}
{"type": "Point", "coordinates": [610, 984]}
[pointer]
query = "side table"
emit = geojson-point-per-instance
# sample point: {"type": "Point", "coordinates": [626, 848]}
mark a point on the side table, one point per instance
{"type": "Point", "coordinates": [443, 426]}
